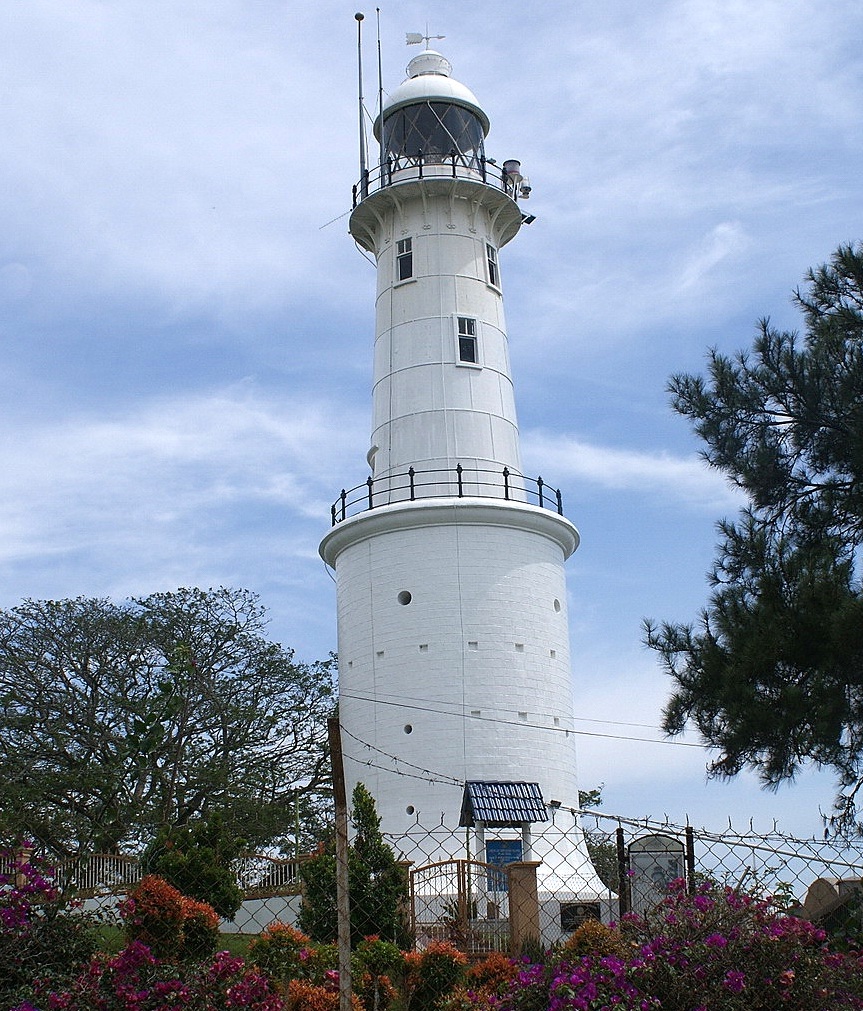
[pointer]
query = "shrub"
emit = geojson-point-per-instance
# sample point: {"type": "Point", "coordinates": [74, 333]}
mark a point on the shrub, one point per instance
{"type": "Point", "coordinates": [196, 859]}
{"type": "Point", "coordinates": [495, 970]}
{"type": "Point", "coordinates": [431, 975]}
{"type": "Point", "coordinates": [41, 933]}
{"type": "Point", "coordinates": [135, 980]}
{"type": "Point", "coordinates": [171, 925]}
{"type": "Point", "coordinates": [378, 884]}
{"type": "Point", "coordinates": [374, 965]}
{"type": "Point", "coordinates": [200, 929]}
{"type": "Point", "coordinates": [283, 953]}
{"type": "Point", "coordinates": [486, 987]}
{"type": "Point", "coordinates": [379, 957]}
{"type": "Point", "coordinates": [305, 996]}
{"type": "Point", "coordinates": [594, 938]}
{"type": "Point", "coordinates": [153, 915]}
{"type": "Point", "coordinates": [716, 949]}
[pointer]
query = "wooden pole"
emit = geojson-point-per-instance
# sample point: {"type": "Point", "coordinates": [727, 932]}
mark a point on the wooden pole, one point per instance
{"type": "Point", "coordinates": [343, 907]}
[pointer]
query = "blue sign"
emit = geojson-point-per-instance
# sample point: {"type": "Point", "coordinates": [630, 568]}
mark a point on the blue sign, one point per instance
{"type": "Point", "coordinates": [500, 852]}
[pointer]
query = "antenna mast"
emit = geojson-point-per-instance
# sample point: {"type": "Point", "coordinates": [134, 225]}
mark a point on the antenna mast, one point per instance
{"type": "Point", "coordinates": [380, 101]}
{"type": "Point", "coordinates": [363, 165]}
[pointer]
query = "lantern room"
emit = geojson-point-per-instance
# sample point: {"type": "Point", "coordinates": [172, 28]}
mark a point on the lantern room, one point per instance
{"type": "Point", "coordinates": [432, 118]}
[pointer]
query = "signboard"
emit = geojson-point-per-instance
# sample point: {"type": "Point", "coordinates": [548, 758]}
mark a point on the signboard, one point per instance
{"type": "Point", "coordinates": [654, 862]}
{"type": "Point", "coordinates": [501, 852]}
{"type": "Point", "coordinates": [573, 914]}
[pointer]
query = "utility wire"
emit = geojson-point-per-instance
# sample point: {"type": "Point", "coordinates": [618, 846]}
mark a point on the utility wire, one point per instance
{"type": "Point", "coordinates": [407, 699]}
{"type": "Point", "coordinates": [522, 723]}
{"type": "Point", "coordinates": [439, 776]}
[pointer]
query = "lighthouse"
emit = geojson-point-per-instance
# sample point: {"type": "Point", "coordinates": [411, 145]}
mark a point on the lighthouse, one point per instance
{"type": "Point", "coordinates": [453, 643]}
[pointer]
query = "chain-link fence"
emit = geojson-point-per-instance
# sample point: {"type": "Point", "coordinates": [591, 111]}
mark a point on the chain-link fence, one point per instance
{"type": "Point", "coordinates": [488, 889]}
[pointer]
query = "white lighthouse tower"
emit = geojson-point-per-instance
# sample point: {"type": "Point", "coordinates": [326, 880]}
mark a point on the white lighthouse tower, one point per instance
{"type": "Point", "coordinates": [452, 621]}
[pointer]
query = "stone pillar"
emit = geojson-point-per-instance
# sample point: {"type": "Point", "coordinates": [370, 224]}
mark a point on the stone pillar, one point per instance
{"type": "Point", "coordinates": [523, 905]}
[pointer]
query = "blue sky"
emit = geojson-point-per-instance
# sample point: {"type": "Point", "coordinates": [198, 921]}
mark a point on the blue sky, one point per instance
{"type": "Point", "coordinates": [185, 325]}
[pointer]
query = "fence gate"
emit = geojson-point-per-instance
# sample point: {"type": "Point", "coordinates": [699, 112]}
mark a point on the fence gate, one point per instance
{"type": "Point", "coordinates": [464, 902]}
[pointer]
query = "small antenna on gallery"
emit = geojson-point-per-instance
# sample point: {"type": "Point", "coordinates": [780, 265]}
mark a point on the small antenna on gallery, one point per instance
{"type": "Point", "coordinates": [363, 163]}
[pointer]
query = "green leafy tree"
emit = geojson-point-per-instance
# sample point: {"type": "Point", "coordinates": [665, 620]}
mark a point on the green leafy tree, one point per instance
{"type": "Point", "coordinates": [196, 859]}
{"type": "Point", "coordinates": [376, 881]}
{"type": "Point", "coordinates": [772, 674]}
{"type": "Point", "coordinates": [119, 719]}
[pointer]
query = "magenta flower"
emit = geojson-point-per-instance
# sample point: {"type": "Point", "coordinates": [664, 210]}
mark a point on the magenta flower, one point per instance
{"type": "Point", "coordinates": [735, 981]}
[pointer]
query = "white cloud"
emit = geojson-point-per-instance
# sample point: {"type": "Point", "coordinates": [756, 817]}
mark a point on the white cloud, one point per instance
{"type": "Point", "coordinates": [682, 479]}
{"type": "Point", "coordinates": [723, 241]}
{"type": "Point", "coordinates": [167, 472]}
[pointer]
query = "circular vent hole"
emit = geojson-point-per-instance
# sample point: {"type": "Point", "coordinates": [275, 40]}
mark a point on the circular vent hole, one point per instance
{"type": "Point", "coordinates": [404, 597]}
{"type": "Point", "coordinates": [408, 728]}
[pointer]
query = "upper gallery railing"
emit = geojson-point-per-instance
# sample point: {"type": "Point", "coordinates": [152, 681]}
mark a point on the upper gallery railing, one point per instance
{"type": "Point", "coordinates": [456, 482]}
{"type": "Point", "coordinates": [455, 165]}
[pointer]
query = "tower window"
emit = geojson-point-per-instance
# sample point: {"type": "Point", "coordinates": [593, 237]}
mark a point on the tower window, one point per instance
{"type": "Point", "coordinates": [467, 347]}
{"type": "Point", "coordinates": [404, 259]}
{"type": "Point", "coordinates": [491, 259]}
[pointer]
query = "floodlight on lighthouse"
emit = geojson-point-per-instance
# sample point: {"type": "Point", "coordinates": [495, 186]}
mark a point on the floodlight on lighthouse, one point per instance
{"type": "Point", "coordinates": [516, 184]}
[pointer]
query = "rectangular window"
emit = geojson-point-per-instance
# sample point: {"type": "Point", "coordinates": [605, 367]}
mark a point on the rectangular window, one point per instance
{"type": "Point", "coordinates": [491, 257]}
{"type": "Point", "coordinates": [404, 260]}
{"type": "Point", "coordinates": [467, 349]}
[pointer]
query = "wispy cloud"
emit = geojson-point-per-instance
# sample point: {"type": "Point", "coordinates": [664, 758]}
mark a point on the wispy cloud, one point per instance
{"type": "Point", "coordinates": [685, 480]}
{"type": "Point", "coordinates": [169, 473]}
{"type": "Point", "coordinates": [724, 240]}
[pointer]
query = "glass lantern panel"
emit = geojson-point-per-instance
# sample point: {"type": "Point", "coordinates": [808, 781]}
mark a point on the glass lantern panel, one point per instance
{"type": "Point", "coordinates": [435, 130]}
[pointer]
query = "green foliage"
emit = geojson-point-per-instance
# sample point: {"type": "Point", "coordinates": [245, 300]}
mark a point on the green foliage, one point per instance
{"type": "Point", "coordinates": [432, 974]}
{"type": "Point", "coordinates": [374, 966]}
{"type": "Point", "coordinates": [602, 850]}
{"type": "Point", "coordinates": [282, 952]}
{"type": "Point", "coordinates": [116, 719]}
{"type": "Point", "coordinates": [377, 883]}
{"type": "Point", "coordinates": [380, 958]}
{"type": "Point", "coordinates": [196, 859]}
{"type": "Point", "coordinates": [41, 933]}
{"type": "Point", "coordinates": [771, 676]}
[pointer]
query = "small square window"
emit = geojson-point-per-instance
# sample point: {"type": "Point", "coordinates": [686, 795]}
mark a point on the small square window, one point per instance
{"type": "Point", "coordinates": [467, 346]}
{"type": "Point", "coordinates": [404, 259]}
{"type": "Point", "coordinates": [491, 259]}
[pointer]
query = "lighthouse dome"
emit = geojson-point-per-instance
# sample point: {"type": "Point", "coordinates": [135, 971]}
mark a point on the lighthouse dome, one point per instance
{"type": "Point", "coordinates": [432, 115]}
{"type": "Point", "coordinates": [429, 80]}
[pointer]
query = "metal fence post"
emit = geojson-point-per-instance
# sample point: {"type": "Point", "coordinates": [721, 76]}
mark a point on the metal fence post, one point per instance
{"type": "Point", "coordinates": [623, 894]}
{"type": "Point", "coordinates": [690, 858]}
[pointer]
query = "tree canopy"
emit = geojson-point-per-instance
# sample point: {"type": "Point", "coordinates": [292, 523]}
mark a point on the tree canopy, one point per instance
{"type": "Point", "coordinates": [118, 719]}
{"type": "Point", "coordinates": [772, 673]}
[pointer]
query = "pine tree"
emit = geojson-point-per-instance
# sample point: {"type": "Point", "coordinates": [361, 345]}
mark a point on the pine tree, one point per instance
{"type": "Point", "coordinates": [376, 881]}
{"type": "Point", "coordinates": [772, 675]}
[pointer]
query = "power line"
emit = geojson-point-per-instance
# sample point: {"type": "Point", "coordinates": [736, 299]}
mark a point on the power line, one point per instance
{"type": "Point", "coordinates": [407, 699]}
{"type": "Point", "coordinates": [440, 777]}
{"type": "Point", "coordinates": [522, 723]}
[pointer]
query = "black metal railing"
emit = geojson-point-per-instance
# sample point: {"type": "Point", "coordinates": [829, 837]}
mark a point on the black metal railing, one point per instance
{"type": "Point", "coordinates": [455, 165]}
{"type": "Point", "coordinates": [454, 482]}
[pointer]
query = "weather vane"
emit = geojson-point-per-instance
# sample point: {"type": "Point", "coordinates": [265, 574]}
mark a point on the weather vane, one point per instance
{"type": "Point", "coordinates": [415, 38]}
